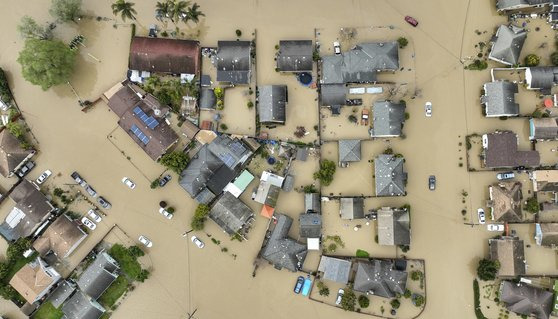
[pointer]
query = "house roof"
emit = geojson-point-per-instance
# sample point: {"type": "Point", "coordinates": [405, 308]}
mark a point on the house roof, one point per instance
{"type": "Point", "coordinates": [61, 293]}
{"type": "Point", "coordinates": [282, 251]}
{"type": "Point", "coordinates": [208, 100]}
{"type": "Point", "coordinates": [394, 226]}
{"type": "Point", "coordinates": [81, 306]}
{"type": "Point", "coordinates": [390, 177]}
{"type": "Point", "coordinates": [541, 77]}
{"type": "Point", "coordinates": [546, 234]}
{"type": "Point", "coordinates": [333, 94]}
{"type": "Point", "coordinates": [267, 211]}
{"type": "Point", "coordinates": [543, 128]}
{"type": "Point", "coordinates": [61, 237]}
{"type": "Point", "coordinates": [505, 201]}
{"type": "Point", "coordinates": [189, 129]}
{"type": "Point", "coordinates": [234, 62]}
{"type": "Point", "coordinates": [499, 99]}
{"type": "Point", "coordinates": [295, 56]}
{"type": "Point", "coordinates": [526, 300]}
{"type": "Point", "coordinates": [312, 203]}
{"type": "Point", "coordinates": [351, 207]}
{"type": "Point", "coordinates": [545, 180]}
{"type": "Point", "coordinates": [96, 278]}
{"type": "Point", "coordinates": [507, 47]}
{"type": "Point", "coordinates": [379, 278]}
{"type": "Point", "coordinates": [272, 104]}
{"type": "Point", "coordinates": [335, 269]}
{"type": "Point", "coordinates": [11, 153]}
{"type": "Point", "coordinates": [310, 225]}
{"type": "Point", "coordinates": [388, 118]}
{"type": "Point", "coordinates": [503, 5]}
{"type": "Point", "coordinates": [230, 213]}
{"type": "Point", "coordinates": [509, 252]}
{"type": "Point", "coordinates": [349, 150]}
{"type": "Point", "coordinates": [267, 193]}
{"type": "Point", "coordinates": [34, 280]}
{"type": "Point", "coordinates": [165, 55]}
{"type": "Point", "coordinates": [501, 150]}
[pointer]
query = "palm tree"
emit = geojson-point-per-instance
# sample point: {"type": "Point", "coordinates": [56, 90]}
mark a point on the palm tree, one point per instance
{"type": "Point", "coordinates": [178, 11]}
{"type": "Point", "coordinates": [162, 10]}
{"type": "Point", "coordinates": [126, 9]}
{"type": "Point", "coordinates": [194, 14]}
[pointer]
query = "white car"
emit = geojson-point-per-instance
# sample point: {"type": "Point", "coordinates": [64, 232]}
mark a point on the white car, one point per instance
{"type": "Point", "coordinates": [482, 218]}
{"type": "Point", "coordinates": [495, 227]}
{"type": "Point", "coordinates": [41, 179]}
{"type": "Point", "coordinates": [88, 223]}
{"type": "Point", "coordinates": [94, 216]}
{"type": "Point", "coordinates": [428, 109]}
{"type": "Point", "coordinates": [165, 213]}
{"type": "Point", "coordinates": [198, 242]}
{"type": "Point", "coordinates": [144, 240]}
{"type": "Point", "coordinates": [128, 182]}
{"type": "Point", "coordinates": [336, 48]}
{"type": "Point", "coordinates": [340, 294]}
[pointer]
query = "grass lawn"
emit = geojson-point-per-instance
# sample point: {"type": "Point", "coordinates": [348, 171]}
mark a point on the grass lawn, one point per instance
{"type": "Point", "coordinates": [128, 263]}
{"type": "Point", "coordinates": [47, 311]}
{"type": "Point", "coordinates": [116, 289]}
{"type": "Point", "coordinates": [17, 265]}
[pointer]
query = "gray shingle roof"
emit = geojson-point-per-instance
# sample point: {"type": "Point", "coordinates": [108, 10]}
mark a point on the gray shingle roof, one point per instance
{"type": "Point", "coordinates": [312, 202]}
{"type": "Point", "coordinates": [499, 99]}
{"type": "Point", "coordinates": [61, 293]}
{"type": "Point", "coordinates": [349, 150]}
{"type": "Point", "coordinates": [310, 225]}
{"type": "Point", "coordinates": [389, 175]}
{"type": "Point", "coordinates": [11, 153]}
{"type": "Point", "coordinates": [394, 226]}
{"type": "Point", "coordinates": [230, 213]}
{"type": "Point", "coordinates": [351, 208]}
{"type": "Point", "coordinates": [379, 278]}
{"type": "Point", "coordinates": [543, 128]}
{"type": "Point", "coordinates": [388, 118]}
{"type": "Point", "coordinates": [333, 94]}
{"type": "Point", "coordinates": [546, 234]}
{"type": "Point", "coordinates": [505, 201]}
{"type": "Point", "coordinates": [507, 47]}
{"type": "Point", "coordinates": [282, 251]}
{"type": "Point", "coordinates": [272, 104]}
{"type": "Point", "coordinates": [81, 306]}
{"type": "Point", "coordinates": [295, 56]}
{"type": "Point", "coordinates": [234, 62]}
{"type": "Point", "coordinates": [541, 77]}
{"type": "Point", "coordinates": [99, 275]}
{"type": "Point", "coordinates": [335, 269]}
{"type": "Point", "coordinates": [267, 194]}
{"type": "Point", "coordinates": [526, 300]}
{"type": "Point", "coordinates": [207, 99]}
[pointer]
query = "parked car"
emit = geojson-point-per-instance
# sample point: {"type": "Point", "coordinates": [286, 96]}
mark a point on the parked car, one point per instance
{"type": "Point", "coordinates": [432, 182]}
{"type": "Point", "coordinates": [128, 182]}
{"type": "Point", "coordinates": [482, 218]}
{"type": "Point", "coordinates": [505, 175]}
{"type": "Point", "coordinates": [340, 294]}
{"type": "Point", "coordinates": [25, 169]}
{"type": "Point", "coordinates": [198, 242]}
{"type": "Point", "coordinates": [76, 177]}
{"type": "Point", "coordinates": [91, 191]}
{"type": "Point", "coordinates": [41, 179]}
{"type": "Point", "coordinates": [298, 285]}
{"type": "Point", "coordinates": [88, 223]}
{"type": "Point", "coordinates": [165, 213]}
{"type": "Point", "coordinates": [144, 240]}
{"type": "Point", "coordinates": [104, 203]}
{"type": "Point", "coordinates": [495, 227]}
{"type": "Point", "coordinates": [93, 215]}
{"type": "Point", "coordinates": [163, 181]}
{"type": "Point", "coordinates": [428, 109]}
{"type": "Point", "coordinates": [353, 102]}
{"type": "Point", "coordinates": [412, 21]}
{"type": "Point", "coordinates": [364, 117]}
{"type": "Point", "coordinates": [336, 48]}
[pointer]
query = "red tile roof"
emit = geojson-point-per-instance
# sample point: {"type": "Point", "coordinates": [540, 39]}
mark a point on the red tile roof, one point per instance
{"type": "Point", "coordinates": [165, 55]}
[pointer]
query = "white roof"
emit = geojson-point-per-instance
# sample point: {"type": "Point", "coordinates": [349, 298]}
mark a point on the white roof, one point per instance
{"type": "Point", "coordinates": [272, 179]}
{"type": "Point", "coordinates": [313, 243]}
{"type": "Point", "coordinates": [14, 217]}
{"type": "Point", "coordinates": [233, 189]}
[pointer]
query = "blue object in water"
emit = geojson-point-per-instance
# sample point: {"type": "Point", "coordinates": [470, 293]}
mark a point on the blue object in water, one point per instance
{"type": "Point", "coordinates": [306, 286]}
{"type": "Point", "coordinates": [305, 78]}
{"type": "Point", "coordinates": [271, 160]}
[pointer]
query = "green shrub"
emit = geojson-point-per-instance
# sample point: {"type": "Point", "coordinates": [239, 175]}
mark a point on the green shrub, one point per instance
{"type": "Point", "coordinates": [532, 60]}
{"type": "Point", "coordinates": [363, 301]}
{"type": "Point", "coordinates": [198, 220]}
{"type": "Point", "coordinates": [395, 303]}
{"type": "Point", "coordinates": [554, 58]}
{"type": "Point", "coordinates": [476, 293]}
{"type": "Point", "coordinates": [402, 42]}
{"type": "Point", "coordinates": [362, 253]}
{"type": "Point", "coordinates": [348, 301]}
{"type": "Point", "coordinates": [532, 205]}
{"type": "Point", "coordinates": [175, 161]}
{"type": "Point", "coordinates": [238, 33]}
{"type": "Point", "coordinates": [487, 269]}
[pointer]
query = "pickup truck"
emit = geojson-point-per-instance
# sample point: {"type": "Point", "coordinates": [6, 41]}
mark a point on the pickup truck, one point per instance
{"type": "Point", "coordinates": [364, 117]}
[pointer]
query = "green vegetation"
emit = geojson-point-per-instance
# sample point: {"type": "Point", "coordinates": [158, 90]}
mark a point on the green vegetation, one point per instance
{"type": "Point", "coordinates": [198, 220]}
{"type": "Point", "coordinates": [15, 129]}
{"type": "Point", "coordinates": [175, 161]}
{"type": "Point", "coordinates": [388, 151]}
{"type": "Point", "coordinates": [65, 10]}
{"type": "Point", "coordinates": [418, 300]}
{"type": "Point", "coordinates": [532, 60]}
{"type": "Point", "coordinates": [348, 301]}
{"type": "Point", "coordinates": [487, 269]}
{"type": "Point", "coordinates": [477, 65]}
{"type": "Point", "coordinates": [178, 11]}
{"type": "Point", "coordinates": [363, 301]}
{"type": "Point", "coordinates": [326, 172]}
{"type": "Point", "coordinates": [416, 275]}
{"type": "Point", "coordinates": [136, 251]}
{"type": "Point", "coordinates": [402, 42]}
{"type": "Point", "coordinates": [46, 62]}
{"type": "Point", "coordinates": [47, 311]}
{"type": "Point", "coordinates": [554, 58]}
{"type": "Point", "coordinates": [395, 303]}
{"type": "Point", "coordinates": [478, 311]}
{"type": "Point", "coordinates": [170, 91]}
{"type": "Point", "coordinates": [238, 33]}
{"type": "Point", "coordinates": [28, 28]}
{"type": "Point", "coordinates": [127, 258]}
{"type": "Point", "coordinates": [220, 96]}
{"type": "Point", "coordinates": [532, 205]}
{"type": "Point", "coordinates": [223, 127]}
{"type": "Point", "coordinates": [154, 184]}
{"type": "Point", "coordinates": [362, 253]}
{"type": "Point", "coordinates": [353, 119]}
{"type": "Point", "coordinates": [114, 292]}
{"type": "Point", "coordinates": [15, 261]}
{"type": "Point", "coordinates": [125, 9]}
{"type": "Point", "coordinates": [407, 294]}
{"type": "Point", "coordinates": [250, 104]}
{"type": "Point", "coordinates": [5, 92]}
{"type": "Point", "coordinates": [308, 189]}
{"type": "Point", "coordinates": [316, 56]}
{"type": "Point", "coordinates": [323, 289]}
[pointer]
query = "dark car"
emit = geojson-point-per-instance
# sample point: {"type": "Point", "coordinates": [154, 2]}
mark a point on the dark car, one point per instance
{"type": "Point", "coordinates": [104, 203]}
{"type": "Point", "coordinates": [91, 191]}
{"type": "Point", "coordinates": [412, 21]}
{"type": "Point", "coordinates": [351, 102]}
{"type": "Point", "coordinates": [76, 177]}
{"type": "Point", "coordinates": [299, 283]}
{"type": "Point", "coordinates": [432, 182]}
{"type": "Point", "coordinates": [25, 169]}
{"type": "Point", "coordinates": [163, 181]}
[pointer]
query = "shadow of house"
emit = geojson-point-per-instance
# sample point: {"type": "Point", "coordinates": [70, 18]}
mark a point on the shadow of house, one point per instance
{"type": "Point", "coordinates": [509, 251]}
{"type": "Point", "coordinates": [507, 44]}
{"type": "Point", "coordinates": [379, 278]}
{"type": "Point", "coordinates": [280, 250]}
{"type": "Point", "coordinates": [526, 300]}
{"type": "Point", "coordinates": [388, 119]}
{"type": "Point", "coordinates": [295, 56]}
{"type": "Point", "coordinates": [234, 62]}
{"type": "Point", "coordinates": [499, 99]}
{"type": "Point", "coordinates": [390, 177]}
{"type": "Point", "coordinates": [505, 202]}
{"type": "Point", "coordinates": [12, 155]}
{"type": "Point", "coordinates": [231, 214]}
{"type": "Point", "coordinates": [394, 226]}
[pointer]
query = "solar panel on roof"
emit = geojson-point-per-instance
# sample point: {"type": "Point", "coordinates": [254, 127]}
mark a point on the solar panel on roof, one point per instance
{"type": "Point", "coordinates": [227, 159]}
{"type": "Point", "coordinates": [237, 148]}
{"type": "Point", "coordinates": [140, 135]}
{"type": "Point", "coordinates": [149, 121]}
{"type": "Point", "coordinates": [137, 110]}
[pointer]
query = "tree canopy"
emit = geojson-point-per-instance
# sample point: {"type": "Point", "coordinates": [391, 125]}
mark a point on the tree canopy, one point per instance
{"type": "Point", "coordinates": [28, 28]}
{"type": "Point", "coordinates": [198, 220]}
{"type": "Point", "coordinates": [487, 269]}
{"type": "Point", "coordinates": [65, 10]}
{"type": "Point", "coordinates": [325, 174]}
{"type": "Point", "coordinates": [46, 62]}
{"type": "Point", "coordinates": [176, 161]}
{"type": "Point", "coordinates": [532, 60]}
{"type": "Point", "coordinates": [125, 9]}
{"type": "Point", "coordinates": [348, 301]}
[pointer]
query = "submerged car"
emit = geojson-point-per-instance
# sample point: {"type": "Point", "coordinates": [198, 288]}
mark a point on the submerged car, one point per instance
{"type": "Point", "coordinates": [41, 179]}
{"type": "Point", "coordinates": [428, 109]}
{"type": "Point", "coordinates": [104, 203]}
{"type": "Point", "coordinates": [336, 48]}
{"type": "Point", "coordinates": [145, 241]}
{"type": "Point", "coordinates": [482, 218]}
{"type": "Point", "coordinates": [91, 191]}
{"type": "Point", "coordinates": [164, 180]}
{"type": "Point", "coordinates": [495, 227]}
{"type": "Point", "coordinates": [198, 242]}
{"type": "Point", "coordinates": [128, 182]}
{"type": "Point", "coordinates": [88, 223]}
{"type": "Point", "coordinates": [25, 169]}
{"type": "Point", "coordinates": [93, 215]}
{"type": "Point", "coordinates": [298, 285]}
{"type": "Point", "coordinates": [432, 182]}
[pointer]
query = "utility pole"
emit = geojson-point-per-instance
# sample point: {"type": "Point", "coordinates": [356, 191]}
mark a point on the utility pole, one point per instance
{"type": "Point", "coordinates": [186, 234]}
{"type": "Point", "coordinates": [190, 316]}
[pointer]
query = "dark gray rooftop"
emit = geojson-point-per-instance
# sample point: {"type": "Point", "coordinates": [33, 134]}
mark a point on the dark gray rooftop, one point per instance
{"type": "Point", "coordinates": [230, 213]}
{"type": "Point", "coordinates": [282, 251]}
{"type": "Point", "coordinates": [333, 94]}
{"type": "Point", "coordinates": [351, 208]}
{"type": "Point", "coordinates": [394, 226]}
{"type": "Point", "coordinates": [526, 300]}
{"type": "Point", "coordinates": [502, 151]}
{"type": "Point", "coordinates": [99, 275]}
{"type": "Point", "coordinates": [335, 269]}
{"type": "Point", "coordinates": [207, 99]}
{"type": "Point", "coordinates": [234, 62]}
{"type": "Point", "coordinates": [389, 175]}
{"type": "Point", "coordinates": [541, 77]}
{"type": "Point", "coordinates": [379, 278]}
{"type": "Point", "coordinates": [310, 225]}
{"type": "Point", "coordinates": [507, 47]}
{"type": "Point", "coordinates": [61, 293]}
{"type": "Point", "coordinates": [388, 118]}
{"type": "Point", "coordinates": [312, 203]}
{"type": "Point", "coordinates": [81, 306]}
{"type": "Point", "coordinates": [272, 104]}
{"type": "Point", "coordinates": [499, 99]}
{"type": "Point", "coordinates": [349, 150]}
{"type": "Point", "coordinates": [295, 56]}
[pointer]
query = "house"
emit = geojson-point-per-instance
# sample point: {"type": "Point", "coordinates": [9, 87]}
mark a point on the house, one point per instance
{"type": "Point", "coordinates": [165, 55]}
{"type": "Point", "coordinates": [349, 151]}
{"type": "Point", "coordinates": [143, 117]}
{"type": "Point", "coordinates": [267, 194]}
{"type": "Point", "coordinates": [526, 300]}
{"type": "Point", "coordinates": [501, 150]}
{"type": "Point", "coordinates": [234, 62]}
{"type": "Point", "coordinates": [34, 280]}
{"type": "Point", "coordinates": [507, 44]}
{"type": "Point", "coordinates": [545, 180]}
{"type": "Point", "coordinates": [280, 250]}
{"type": "Point", "coordinates": [390, 178]}
{"type": "Point", "coordinates": [189, 130]}
{"type": "Point", "coordinates": [543, 129]}
{"type": "Point", "coordinates": [546, 234]}
{"type": "Point", "coordinates": [333, 95]}
{"type": "Point", "coordinates": [509, 252]}
{"type": "Point", "coordinates": [541, 78]}
{"type": "Point", "coordinates": [31, 210]}
{"type": "Point", "coordinates": [239, 185]}
{"type": "Point", "coordinates": [335, 269]}
{"type": "Point", "coordinates": [505, 202]}
{"type": "Point", "coordinates": [499, 99]}
{"type": "Point", "coordinates": [213, 167]}
{"type": "Point", "coordinates": [388, 119]}
{"type": "Point", "coordinates": [272, 104]}
{"type": "Point", "coordinates": [351, 207]}
{"type": "Point", "coordinates": [208, 99]}
{"type": "Point", "coordinates": [379, 278]}
{"type": "Point", "coordinates": [311, 229]}
{"type": "Point", "coordinates": [12, 155]}
{"type": "Point", "coordinates": [61, 293]}
{"type": "Point", "coordinates": [98, 276]}
{"type": "Point", "coordinates": [295, 56]}
{"type": "Point", "coordinates": [81, 306]}
{"type": "Point", "coordinates": [394, 226]}
{"type": "Point", "coordinates": [61, 238]}
{"type": "Point", "coordinates": [231, 214]}
{"type": "Point", "coordinates": [517, 5]}
{"type": "Point", "coordinates": [312, 203]}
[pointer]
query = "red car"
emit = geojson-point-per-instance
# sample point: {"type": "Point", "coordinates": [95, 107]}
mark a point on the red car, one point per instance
{"type": "Point", "coordinates": [412, 21]}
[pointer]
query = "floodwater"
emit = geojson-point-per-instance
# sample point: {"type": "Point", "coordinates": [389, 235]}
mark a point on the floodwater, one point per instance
{"type": "Point", "coordinates": [219, 284]}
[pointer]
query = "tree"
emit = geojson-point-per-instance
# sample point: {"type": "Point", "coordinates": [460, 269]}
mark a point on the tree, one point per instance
{"type": "Point", "coordinates": [4, 270]}
{"type": "Point", "coordinates": [143, 275]}
{"type": "Point", "coordinates": [176, 161]}
{"type": "Point", "coordinates": [363, 301]}
{"type": "Point", "coordinates": [416, 275]}
{"type": "Point", "coordinates": [395, 303]}
{"type": "Point", "coordinates": [7, 292]}
{"type": "Point", "coordinates": [348, 301]}
{"type": "Point", "coordinates": [125, 9]}
{"type": "Point", "coordinates": [178, 11]}
{"type": "Point", "coordinates": [487, 269]}
{"type": "Point", "coordinates": [136, 251]}
{"type": "Point", "coordinates": [15, 129]}
{"type": "Point", "coordinates": [418, 300]}
{"type": "Point", "coordinates": [198, 220]}
{"type": "Point", "coordinates": [194, 13]}
{"type": "Point", "coordinates": [532, 205]}
{"type": "Point", "coordinates": [28, 28]}
{"type": "Point", "coordinates": [325, 174]}
{"type": "Point", "coordinates": [323, 289]}
{"type": "Point", "coordinates": [5, 92]}
{"type": "Point", "coordinates": [532, 60]}
{"type": "Point", "coordinates": [162, 10]}
{"type": "Point", "coordinates": [15, 250]}
{"type": "Point", "coordinates": [554, 58]}
{"type": "Point", "coordinates": [402, 42]}
{"type": "Point", "coordinates": [65, 10]}
{"type": "Point", "coordinates": [46, 62]}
